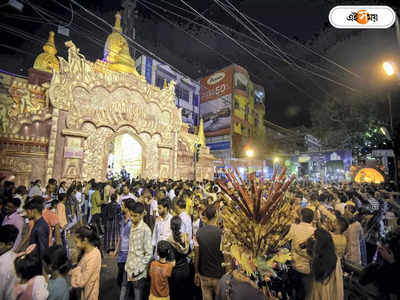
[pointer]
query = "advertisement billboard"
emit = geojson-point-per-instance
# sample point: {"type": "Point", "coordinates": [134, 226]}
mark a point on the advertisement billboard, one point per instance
{"type": "Point", "coordinates": [217, 85]}
{"type": "Point", "coordinates": [216, 102]}
{"type": "Point", "coordinates": [216, 115]}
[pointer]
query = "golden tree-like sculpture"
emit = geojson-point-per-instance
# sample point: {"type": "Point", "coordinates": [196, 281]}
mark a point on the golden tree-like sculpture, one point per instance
{"type": "Point", "coordinates": [256, 220]}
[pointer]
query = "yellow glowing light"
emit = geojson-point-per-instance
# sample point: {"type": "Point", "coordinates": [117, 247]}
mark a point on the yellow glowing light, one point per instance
{"type": "Point", "coordinates": [276, 159]}
{"type": "Point", "coordinates": [369, 175]}
{"type": "Point", "coordinates": [389, 68]}
{"type": "Point", "coordinates": [128, 153]}
{"type": "Point", "coordinates": [249, 152]}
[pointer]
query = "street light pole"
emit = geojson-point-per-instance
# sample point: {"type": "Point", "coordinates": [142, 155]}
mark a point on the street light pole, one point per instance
{"type": "Point", "coordinates": [390, 70]}
{"type": "Point", "coordinates": [389, 97]}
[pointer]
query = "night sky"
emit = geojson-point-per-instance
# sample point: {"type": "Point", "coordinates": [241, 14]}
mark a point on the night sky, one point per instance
{"type": "Point", "coordinates": [305, 21]}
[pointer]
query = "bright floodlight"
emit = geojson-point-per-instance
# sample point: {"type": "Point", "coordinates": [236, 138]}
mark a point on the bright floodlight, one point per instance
{"type": "Point", "coordinates": [276, 159]}
{"type": "Point", "coordinates": [249, 153]}
{"type": "Point", "coordinates": [386, 133]}
{"type": "Point", "coordinates": [389, 68]}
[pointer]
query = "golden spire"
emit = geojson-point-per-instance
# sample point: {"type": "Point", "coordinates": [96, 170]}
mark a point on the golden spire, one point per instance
{"type": "Point", "coordinates": [200, 135]}
{"type": "Point", "coordinates": [165, 85]}
{"type": "Point", "coordinates": [117, 25]}
{"type": "Point", "coordinates": [47, 61]}
{"type": "Point", "coordinates": [116, 50]}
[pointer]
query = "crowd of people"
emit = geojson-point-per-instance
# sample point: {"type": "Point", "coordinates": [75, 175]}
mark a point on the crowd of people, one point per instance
{"type": "Point", "coordinates": [167, 239]}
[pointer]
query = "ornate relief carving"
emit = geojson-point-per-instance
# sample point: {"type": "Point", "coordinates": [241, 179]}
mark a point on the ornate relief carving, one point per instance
{"type": "Point", "coordinates": [17, 165]}
{"type": "Point", "coordinates": [71, 169]}
{"type": "Point", "coordinates": [78, 72]}
{"type": "Point", "coordinates": [24, 104]}
{"type": "Point", "coordinates": [101, 102]}
{"type": "Point", "coordinates": [93, 151]}
{"type": "Point", "coordinates": [52, 143]}
{"type": "Point", "coordinates": [28, 98]}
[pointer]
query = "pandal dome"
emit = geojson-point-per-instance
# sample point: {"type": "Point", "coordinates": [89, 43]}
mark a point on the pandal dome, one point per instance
{"type": "Point", "coordinates": [47, 60]}
{"type": "Point", "coordinates": [116, 50]}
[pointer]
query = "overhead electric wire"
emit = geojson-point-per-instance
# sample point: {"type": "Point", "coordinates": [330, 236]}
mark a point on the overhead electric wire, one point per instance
{"type": "Point", "coordinates": [273, 48]}
{"type": "Point", "coordinates": [43, 11]}
{"type": "Point", "coordinates": [150, 53]}
{"type": "Point", "coordinates": [306, 48]}
{"type": "Point", "coordinates": [192, 36]}
{"type": "Point", "coordinates": [17, 49]}
{"type": "Point", "coordinates": [256, 57]}
{"type": "Point", "coordinates": [92, 14]}
{"type": "Point", "coordinates": [290, 56]}
{"type": "Point", "coordinates": [280, 34]}
{"type": "Point", "coordinates": [89, 35]}
{"type": "Point", "coordinates": [25, 35]}
{"type": "Point", "coordinates": [277, 48]}
{"type": "Point", "coordinates": [170, 22]}
{"type": "Point", "coordinates": [201, 42]}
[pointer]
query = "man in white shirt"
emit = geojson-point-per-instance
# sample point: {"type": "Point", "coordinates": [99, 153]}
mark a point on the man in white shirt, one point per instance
{"type": "Point", "coordinates": [180, 208]}
{"type": "Point", "coordinates": [162, 228]}
{"type": "Point", "coordinates": [126, 194]}
{"type": "Point", "coordinates": [298, 235]}
{"type": "Point", "coordinates": [8, 235]}
{"type": "Point", "coordinates": [171, 194]}
{"type": "Point", "coordinates": [35, 189]}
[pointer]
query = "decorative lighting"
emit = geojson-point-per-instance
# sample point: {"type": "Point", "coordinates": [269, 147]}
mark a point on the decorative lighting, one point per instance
{"type": "Point", "coordinates": [249, 152]}
{"type": "Point", "coordinates": [389, 68]}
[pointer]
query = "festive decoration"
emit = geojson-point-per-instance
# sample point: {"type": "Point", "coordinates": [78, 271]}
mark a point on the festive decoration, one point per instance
{"type": "Point", "coordinates": [255, 224]}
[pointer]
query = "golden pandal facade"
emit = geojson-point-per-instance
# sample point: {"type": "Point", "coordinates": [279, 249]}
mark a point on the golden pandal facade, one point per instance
{"type": "Point", "coordinates": [63, 129]}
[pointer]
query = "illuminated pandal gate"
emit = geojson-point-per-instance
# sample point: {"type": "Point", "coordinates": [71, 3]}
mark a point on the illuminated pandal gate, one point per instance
{"type": "Point", "coordinates": [83, 109]}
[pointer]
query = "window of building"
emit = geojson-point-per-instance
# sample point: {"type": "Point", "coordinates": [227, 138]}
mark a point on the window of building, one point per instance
{"type": "Point", "coordinates": [246, 113]}
{"type": "Point", "coordinates": [195, 100]}
{"type": "Point", "coordinates": [256, 121]}
{"type": "Point", "coordinates": [160, 81]}
{"type": "Point", "coordinates": [237, 106]}
{"type": "Point", "coordinates": [182, 93]}
{"type": "Point", "coordinates": [195, 119]}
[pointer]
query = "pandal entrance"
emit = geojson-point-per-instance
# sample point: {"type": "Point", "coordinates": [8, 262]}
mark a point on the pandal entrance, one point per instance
{"type": "Point", "coordinates": [81, 111]}
{"type": "Point", "coordinates": [125, 151]}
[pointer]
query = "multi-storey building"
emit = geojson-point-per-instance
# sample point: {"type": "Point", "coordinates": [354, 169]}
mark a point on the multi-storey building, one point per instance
{"type": "Point", "coordinates": [186, 90]}
{"type": "Point", "coordinates": [233, 110]}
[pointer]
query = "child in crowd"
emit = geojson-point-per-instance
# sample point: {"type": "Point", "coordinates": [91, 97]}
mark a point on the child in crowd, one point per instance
{"type": "Point", "coordinates": [86, 274]}
{"type": "Point", "coordinates": [57, 266]}
{"type": "Point", "coordinates": [160, 271]}
{"type": "Point", "coordinates": [8, 235]}
{"type": "Point", "coordinates": [32, 285]}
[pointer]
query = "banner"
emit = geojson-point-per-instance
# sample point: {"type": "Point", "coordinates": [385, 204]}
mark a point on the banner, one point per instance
{"type": "Point", "coordinates": [216, 115]}
{"type": "Point", "coordinates": [216, 85]}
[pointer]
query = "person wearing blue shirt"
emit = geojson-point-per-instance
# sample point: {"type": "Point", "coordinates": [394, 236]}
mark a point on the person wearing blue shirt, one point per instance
{"type": "Point", "coordinates": [121, 251]}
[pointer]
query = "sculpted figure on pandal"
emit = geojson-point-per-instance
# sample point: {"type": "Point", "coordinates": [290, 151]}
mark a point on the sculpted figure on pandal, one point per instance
{"type": "Point", "coordinates": [5, 107]}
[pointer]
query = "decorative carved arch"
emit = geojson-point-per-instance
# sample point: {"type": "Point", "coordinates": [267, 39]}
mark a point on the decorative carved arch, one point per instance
{"type": "Point", "coordinates": [124, 130]}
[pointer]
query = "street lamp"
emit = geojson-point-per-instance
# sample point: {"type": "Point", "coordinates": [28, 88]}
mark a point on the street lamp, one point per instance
{"type": "Point", "coordinates": [250, 153]}
{"type": "Point", "coordinates": [388, 68]}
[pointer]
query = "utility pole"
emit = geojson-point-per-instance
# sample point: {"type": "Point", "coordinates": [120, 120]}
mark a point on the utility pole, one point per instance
{"type": "Point", "coordinates": [128, 21]}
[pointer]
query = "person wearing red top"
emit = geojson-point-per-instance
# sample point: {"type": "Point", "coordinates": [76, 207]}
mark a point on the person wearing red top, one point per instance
{"type": "Point", "coordinates": [160, 271]}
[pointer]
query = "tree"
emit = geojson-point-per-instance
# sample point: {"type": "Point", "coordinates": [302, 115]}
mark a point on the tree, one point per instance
{"type": "Point", "coordinates": [350, 122]}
